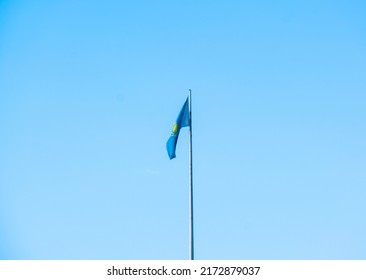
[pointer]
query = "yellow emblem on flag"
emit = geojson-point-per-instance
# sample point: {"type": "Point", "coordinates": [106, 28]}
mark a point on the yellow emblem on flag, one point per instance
{"type": "Point", "coordinates": [175, 129]}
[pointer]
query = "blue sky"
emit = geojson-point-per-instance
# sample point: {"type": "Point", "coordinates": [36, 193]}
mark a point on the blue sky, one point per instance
{"type": "Point", "coordinates": [90, 90]}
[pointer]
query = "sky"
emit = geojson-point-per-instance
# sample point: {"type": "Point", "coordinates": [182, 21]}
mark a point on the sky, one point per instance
{"type": "Point", "coordinates": [90, 90]}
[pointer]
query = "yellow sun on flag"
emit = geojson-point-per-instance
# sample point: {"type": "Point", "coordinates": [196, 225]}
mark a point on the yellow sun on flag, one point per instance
{"type": "Point", "coordinates": [175, 129]}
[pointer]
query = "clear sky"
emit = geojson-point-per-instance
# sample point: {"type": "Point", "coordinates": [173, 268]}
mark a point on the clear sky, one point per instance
{"type": "Point", "coordinates": [90, 90]}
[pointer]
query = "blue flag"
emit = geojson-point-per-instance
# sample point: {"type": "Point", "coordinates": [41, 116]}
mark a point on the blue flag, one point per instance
{"type": "Point", "coordinates": [182, 121]}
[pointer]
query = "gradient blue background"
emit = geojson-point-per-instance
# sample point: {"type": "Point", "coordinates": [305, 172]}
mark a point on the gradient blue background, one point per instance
{"type": "Point", "coordinates": [90, 90]}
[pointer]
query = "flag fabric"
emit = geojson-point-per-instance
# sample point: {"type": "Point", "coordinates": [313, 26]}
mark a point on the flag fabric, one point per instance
{"type": "Point", "coordinates": [182, 121]}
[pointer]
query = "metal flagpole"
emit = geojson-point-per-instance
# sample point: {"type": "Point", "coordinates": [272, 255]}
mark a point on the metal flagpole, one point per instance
{"type": "Point", "coordinates": [191, 236]}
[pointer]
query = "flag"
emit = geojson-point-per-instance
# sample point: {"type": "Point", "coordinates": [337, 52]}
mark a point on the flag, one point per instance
{"type": "Point", "coordinates": [182, 121]}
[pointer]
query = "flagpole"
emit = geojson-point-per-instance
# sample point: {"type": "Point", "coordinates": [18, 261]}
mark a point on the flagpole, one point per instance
{"type": "Point", "coordinates": [191, 236]}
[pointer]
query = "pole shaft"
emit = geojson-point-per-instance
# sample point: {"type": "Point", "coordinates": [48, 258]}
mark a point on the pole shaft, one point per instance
{"type": "Point", "coordinates": [191, 236]}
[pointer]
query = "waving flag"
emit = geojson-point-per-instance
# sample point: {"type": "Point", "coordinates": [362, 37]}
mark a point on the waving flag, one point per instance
{"type": "Point", "coordinates": [182, 121]}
